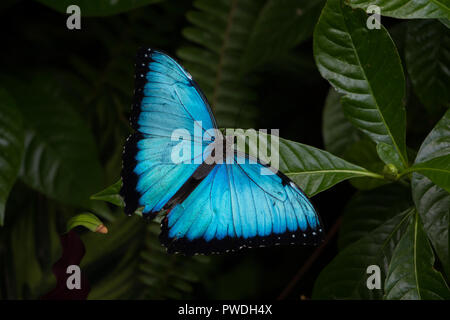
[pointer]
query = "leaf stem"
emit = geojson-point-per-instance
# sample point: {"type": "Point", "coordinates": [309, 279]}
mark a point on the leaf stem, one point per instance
{"type": "Point", "coordinates": [363, 173]}
{"type": "Point", "coordinates": [408, 171]}
{"type": "Point", "coordinates": [373, 175]}
{"type": "Point", "coordinates": [305, 267]}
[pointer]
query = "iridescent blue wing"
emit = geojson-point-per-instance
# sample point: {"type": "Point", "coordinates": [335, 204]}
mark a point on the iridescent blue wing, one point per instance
{"type": "Point", "coordinates": [165, 99]}
{"type": "Point", "coordinates": [241, 205]}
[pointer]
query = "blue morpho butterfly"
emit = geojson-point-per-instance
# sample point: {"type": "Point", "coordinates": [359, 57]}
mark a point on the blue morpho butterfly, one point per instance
{"type": "Point", "coordinates": [209, 208]}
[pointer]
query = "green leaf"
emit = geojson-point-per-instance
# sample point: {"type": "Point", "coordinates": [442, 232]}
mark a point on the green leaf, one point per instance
{"type": "Point", "coordinates": [314, 170]}
{"type": "Point", "coordinates": [437, 169]}
{"type": "Point", "coordinates": [221, 30]}
{"type": "Point", "coordinates": [281, 25]}
{"type": "Point", "coordinates": [387, 153]}
{"type": "Point", "coordinates": [407, 9]}
{"type": "Point", "coordinates": [111, 194]}
{"type": "Point", "coordinates": [411, 275]}
{"type": "Point", "coordinates": [33, 245]}
{"type": "Point", "coordinates": [338, 133]}
{"type": "Point", "coordinates": [345, 277]}
{"type": "Point", "coordinates": [60, 158]}
{"type": "Point", "coordinates": [364, 153]}
{"type": "Point", "coordinates": [87, 220]}
{"type": "Point", "coordinates": [437, 143]}
{"type": "Point", "coordinates": [433, 202]}
{"type": "Point", "coordinates": [24, 256]}
{"type": "Point", "coordinates": [433, 205]}
{"type": "Point", "coordinates": [97, 8]}
{"type": "Point", "coordinates": [11, 147]}
{"type": "Point", "coordinates": [368, 210]}
{"type": "Point", "coordinates": [427, 58]}
{"type": "Point", "coordinates": [364, 65]}
{"type": "Point", "coordinates": [344, 140]}
{"type": "Point", "coordinates": [445, 22]}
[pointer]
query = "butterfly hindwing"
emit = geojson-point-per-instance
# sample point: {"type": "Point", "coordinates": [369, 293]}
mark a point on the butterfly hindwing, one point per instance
{"type": "Point", "coordinates": [241, 205]}
{"type": "Point", "coordinates": [165, 99]}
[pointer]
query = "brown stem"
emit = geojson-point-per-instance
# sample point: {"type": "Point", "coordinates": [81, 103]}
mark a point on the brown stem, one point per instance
{"type": "Point", "coordinates": [305, 267]}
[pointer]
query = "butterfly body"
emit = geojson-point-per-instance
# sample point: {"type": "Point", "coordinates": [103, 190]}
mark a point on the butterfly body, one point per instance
{"type": "Point", "coordinates": [212, 202]}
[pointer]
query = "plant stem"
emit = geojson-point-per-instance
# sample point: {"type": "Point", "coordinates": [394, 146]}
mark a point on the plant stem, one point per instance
{"type": "Point", "coordinates": [305, 267]}
{"type": "Point", "coordinates": [374, 175]}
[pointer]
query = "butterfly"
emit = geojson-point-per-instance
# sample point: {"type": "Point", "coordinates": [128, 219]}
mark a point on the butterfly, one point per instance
{"type": "Point", "coordinates": [207, 207]}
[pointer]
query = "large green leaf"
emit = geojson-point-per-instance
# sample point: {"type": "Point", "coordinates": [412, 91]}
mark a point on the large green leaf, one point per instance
{"type": "Point", "coordinates": [364, 65]}
{"type": "Point", "coordinates": [437, 143]}
{"type": "Point", "coordinates": [345, 277]}
{"type": "Point", "coordinates": [344, 140]}
{"type": "Point", "coordinates": [60, 158]}
{"type": "Point", "coordinates": [411, 274]}
{"type": "Point", "coordinates": [433, 205]}
{"type": "Point", "coordinates": [368, 210]}
{"type": "Point", "coordinates": [427, 58]}
{"type": "Point", "coordinates": [314, 170]}
{"type": "Point", "coordinates": [437, 169]}
{"type": "Point", "coordinates": [407, 9]}
{"type": "Point", "coordinates": [221, 29]}
{"type": "Point", "coordinates": [433, 202]}
{"type": "Point", "coordinates": [281, 25]}
{"type": "Point", "coordinates": [11, 147]}
{"type": "Point", "coordinates": [97, 7]}
{"type": "Point", "coordinates": [338, 133]}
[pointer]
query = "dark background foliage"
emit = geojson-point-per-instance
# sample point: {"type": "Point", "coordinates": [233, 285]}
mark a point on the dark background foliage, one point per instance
{"type": "Point", "coordinates": [255, 62]}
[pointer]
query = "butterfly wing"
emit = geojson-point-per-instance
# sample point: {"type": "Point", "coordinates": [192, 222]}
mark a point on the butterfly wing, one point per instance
{"type": "Point", "coordinates": [241, 205]}
{"type": "Point", "coordinates": [165, 99]}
